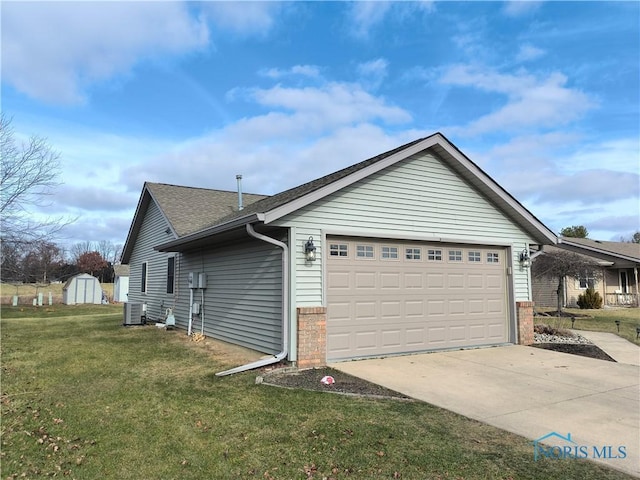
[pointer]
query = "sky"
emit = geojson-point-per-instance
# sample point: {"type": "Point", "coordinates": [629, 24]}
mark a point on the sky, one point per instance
{"type": "Point", "coordinates": [543, 96]}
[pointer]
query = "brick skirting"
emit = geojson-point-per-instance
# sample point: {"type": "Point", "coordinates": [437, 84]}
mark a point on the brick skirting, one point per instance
{"type": "Point", "coordinates": [525, 322]}
{"type": "Point", "coordinates": [312, 337]}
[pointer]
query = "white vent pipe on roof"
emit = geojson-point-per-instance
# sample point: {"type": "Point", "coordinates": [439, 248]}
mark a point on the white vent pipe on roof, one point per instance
{"type": "Point", "coordinates": [239, 179]}
{"type": "Point", "coordinates": [285, 308]}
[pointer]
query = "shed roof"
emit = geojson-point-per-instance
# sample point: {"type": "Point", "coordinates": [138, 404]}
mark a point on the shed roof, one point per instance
{"type": "Point", "coordinates": [75, 277]}
{"type": "Point", "coordinates": [272, 208]}
{"type": "Point", "coordinates": [121, 270]}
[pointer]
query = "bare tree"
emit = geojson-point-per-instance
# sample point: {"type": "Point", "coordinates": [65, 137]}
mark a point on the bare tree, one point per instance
{"type": "Point", "coordinates": [559, 264]}
{"type": "Point", "coordinates": [108, 250]}
{"type": "Point", "coordinates": [28, 175]}
{"type": "Point", "coordinates": [79, 249]}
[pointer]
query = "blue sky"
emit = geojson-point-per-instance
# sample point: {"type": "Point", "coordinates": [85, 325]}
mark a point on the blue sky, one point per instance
{"type": "Point", "coordinates": [544, 96]}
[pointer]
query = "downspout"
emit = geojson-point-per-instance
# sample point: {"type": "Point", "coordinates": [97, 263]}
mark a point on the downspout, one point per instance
{"type": "Point", "coordinates": [285, 308]}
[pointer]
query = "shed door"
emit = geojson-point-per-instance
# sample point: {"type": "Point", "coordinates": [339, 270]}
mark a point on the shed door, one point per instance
{"type": "Point", "coordinates": [392, 297]}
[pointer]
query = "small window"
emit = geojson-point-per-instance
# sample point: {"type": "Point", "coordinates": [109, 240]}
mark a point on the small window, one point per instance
{"type": "Point", "coordinates": [493, 257]}
{"type": "Point", "coordinates": [171, 273]}
{"type": "Point", "coordinates": [587, 282]}
{"type": "Point", "coordinates": [390, 252]}
{"type": "Point", "coordinates": [455, 255]}
{"type": "Point", "coordinates": [413, 254]}
{"type": "Point", "coordinates": [474, 256]}
{"type": "Point", "coordinates": [434, 255]}
{"type": "Point", "coordinates": [143, 279]}
{"type": "Point", "coordinates": [338, 250]}
{"type": "Point", "coordinates": [364, 251]}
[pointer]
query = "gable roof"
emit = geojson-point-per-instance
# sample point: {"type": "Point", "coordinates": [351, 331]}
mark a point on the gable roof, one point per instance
{"type": "Point", "coordinates": [185, 209]}
{"type": "Point", "coordinates": [272, 208]}
{"type": "Point", "coordinates": [121, 270]}
{"type": "Point", "coordinates": [618, 250]}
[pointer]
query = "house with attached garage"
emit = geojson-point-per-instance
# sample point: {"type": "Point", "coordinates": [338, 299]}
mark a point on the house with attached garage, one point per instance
{"type": "Point", "coordinates": [413, 250]}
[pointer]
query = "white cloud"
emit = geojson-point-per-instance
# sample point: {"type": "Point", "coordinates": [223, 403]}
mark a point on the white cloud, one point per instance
{"type": "Point", "coordinates": [244, 18]}
{"type": "Point", "coordinates": [621, 154]}
{"type": "Point", "coordinates": [529, 52]}
{"type": "Point", "coordinates": [329, 126]}
{"type": "Point", "coordinates": [518, 8]}
{"type": "Point", "coordinates": [334, 103]}
{"type": "Point", "coordinates": [364, 16]}
{"type": "Point", "coordinates": [372, 73]}
{"type": "Point", "coordinates": [53, 51]}
{"type": "Point", "coordinates": [367, 15]}
{"type": "Point", "coordinates": [311, 71]}
{"type": "Point", "coordinates": [531, 101]}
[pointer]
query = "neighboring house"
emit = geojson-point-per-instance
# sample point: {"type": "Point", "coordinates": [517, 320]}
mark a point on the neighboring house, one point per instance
{"type": "Point", "coordinates": [82, 288]}
{"type": "Point", "coordinates": [416, 249]}
{"type": "Point", "coordinates": [618, 284]}
{"type": "Point", "coordinates": [120, 283]}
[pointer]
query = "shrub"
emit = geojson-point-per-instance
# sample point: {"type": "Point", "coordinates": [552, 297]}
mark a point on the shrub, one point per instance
{"type": "Point", "coordinates": [590, 299]}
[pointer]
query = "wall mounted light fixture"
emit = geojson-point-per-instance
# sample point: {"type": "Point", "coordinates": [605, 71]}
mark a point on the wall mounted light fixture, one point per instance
{"type": "Point", "coordinates": [310, 250]}
{"type": "Point", "coordinates": [525, 259]}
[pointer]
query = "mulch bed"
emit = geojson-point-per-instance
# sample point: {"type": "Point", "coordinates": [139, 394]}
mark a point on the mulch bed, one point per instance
{"type": "Point", "coordinates": [350, 385]}
{"type": "Point", "coordinates": [583, 350]}
{"type": "Point", "coordinates": [344, 383]}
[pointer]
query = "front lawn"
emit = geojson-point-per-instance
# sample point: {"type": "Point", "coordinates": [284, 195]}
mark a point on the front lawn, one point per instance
{"type": "Point", "coordinates": [85, 398]}
{"type": "Point", "coordinates": [600, 320]}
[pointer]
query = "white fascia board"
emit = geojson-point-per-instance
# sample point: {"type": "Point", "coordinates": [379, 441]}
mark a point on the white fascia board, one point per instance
{"type": "Point", "coordinates": [146, 197]}
{"type": "Point", "coordinates": [454, 153]}
{"type": "Point", "coordinates": [499, 192]}
{"type": "Point", "coordinates": [166, 219]}
{"type": "Point", "coordinates": [333, 187]}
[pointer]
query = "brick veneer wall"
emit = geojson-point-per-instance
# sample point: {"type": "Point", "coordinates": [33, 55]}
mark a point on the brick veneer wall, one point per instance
{"type": "Point", "coordinates": [525, 322]}
{"type": "Point", "coordinates": [312, 337]}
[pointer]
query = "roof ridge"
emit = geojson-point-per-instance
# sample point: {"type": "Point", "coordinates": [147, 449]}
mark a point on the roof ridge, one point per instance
{"type": "Point", "coordinates": [204, 188]}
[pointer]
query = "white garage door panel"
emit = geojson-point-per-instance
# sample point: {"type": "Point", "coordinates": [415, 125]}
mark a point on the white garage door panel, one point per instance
{"type": "Point", "coordinates": [379, 306]}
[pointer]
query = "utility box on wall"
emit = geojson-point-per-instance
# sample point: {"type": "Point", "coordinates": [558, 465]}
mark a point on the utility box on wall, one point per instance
{"type": "Point", "coordinates": [202, 280]}
{"type": "Point", "coordinates": [192, 279]}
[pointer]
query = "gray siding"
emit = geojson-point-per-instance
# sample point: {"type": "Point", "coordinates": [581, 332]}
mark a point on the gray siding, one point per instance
{"type": "Point", "coordinates": [418, 198]}
{"type": "Point", "coordinates": [243, 298]}
{"type": "Point", "coordinates": [544, 292]}
{"type": "Point", "coordinates": [151, 233]}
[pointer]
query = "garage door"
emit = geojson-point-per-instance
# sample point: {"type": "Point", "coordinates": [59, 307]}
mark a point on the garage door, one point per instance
{"type": "Point", "coordinates": [391, 297]}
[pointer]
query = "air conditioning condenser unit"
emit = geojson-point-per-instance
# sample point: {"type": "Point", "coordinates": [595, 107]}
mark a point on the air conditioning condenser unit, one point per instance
{"type": "Point", "coordinates": [133, 314]}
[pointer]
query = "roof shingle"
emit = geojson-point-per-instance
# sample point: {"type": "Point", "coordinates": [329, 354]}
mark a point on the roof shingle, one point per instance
{"type": "Point", "coordinates": [190, 209]}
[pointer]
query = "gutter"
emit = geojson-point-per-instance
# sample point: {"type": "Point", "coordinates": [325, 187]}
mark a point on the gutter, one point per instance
{"type": "Point", "coordinates": [285, 308]}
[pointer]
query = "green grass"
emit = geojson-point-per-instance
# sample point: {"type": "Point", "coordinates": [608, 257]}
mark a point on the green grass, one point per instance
{"type": "Point", "coordinates": [85, 398]}
{"type": "Point", "coordinates": [600, 320]}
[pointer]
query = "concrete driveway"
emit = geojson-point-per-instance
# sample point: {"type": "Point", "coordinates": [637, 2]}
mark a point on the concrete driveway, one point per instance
{"type": "Point", "coordinates": [527, 391]}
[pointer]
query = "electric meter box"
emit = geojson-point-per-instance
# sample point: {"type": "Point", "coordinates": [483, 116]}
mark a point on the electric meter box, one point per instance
{"type": "Point", "coordinates": [192, 279]}
{"type": "Point", "coordinates": [202, 280]}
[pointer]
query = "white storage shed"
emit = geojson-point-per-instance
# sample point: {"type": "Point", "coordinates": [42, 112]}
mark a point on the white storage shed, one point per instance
{"type": "Point", "coordinates": [120, 283]}
{"type": "Point", "coordinates": [82, 288]}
